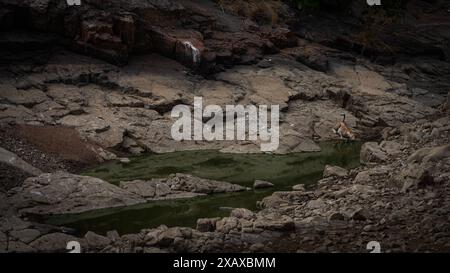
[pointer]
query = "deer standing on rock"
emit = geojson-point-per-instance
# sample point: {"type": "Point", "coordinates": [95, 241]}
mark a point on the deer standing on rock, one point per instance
{"type": "Point", "coordinates": [342, 130]}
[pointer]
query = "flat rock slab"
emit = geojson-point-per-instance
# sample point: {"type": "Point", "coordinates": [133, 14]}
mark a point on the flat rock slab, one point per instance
{"type": "Point", "coordinates": [13, 160]}
{"type": "Point", "coordinates": [178, 186]}
{"type": "Point", "coordinates": [61, 192]}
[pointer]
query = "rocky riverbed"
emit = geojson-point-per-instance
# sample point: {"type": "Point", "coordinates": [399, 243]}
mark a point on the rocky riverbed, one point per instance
{"type": "Point", "coordinates": [83, 86]}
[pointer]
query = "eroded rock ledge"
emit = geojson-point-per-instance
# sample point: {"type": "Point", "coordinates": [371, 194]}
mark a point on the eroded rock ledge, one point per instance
{"type": "Point", "coordinates": [196, 34]}
{"type": "Point", "coordinates": [127, 108]}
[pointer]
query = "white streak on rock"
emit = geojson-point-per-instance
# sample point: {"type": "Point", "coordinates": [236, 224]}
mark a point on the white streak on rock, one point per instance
{"type": "Point", "coordinates": [194, 51]}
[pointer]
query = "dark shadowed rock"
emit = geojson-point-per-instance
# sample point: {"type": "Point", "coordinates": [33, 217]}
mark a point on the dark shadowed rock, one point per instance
{"type": "Point", "coordinates": [3, 242]}
{"type": "Point", "coordinates": [336, 216]}
{"type": "Point", "coordinates": [359, 214]}
{"type": "Point", "coordinates": [96, 241]}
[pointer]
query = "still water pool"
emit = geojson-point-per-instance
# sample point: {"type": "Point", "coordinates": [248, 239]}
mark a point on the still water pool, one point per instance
{"type": "Point", "coordinates": [283, 171]}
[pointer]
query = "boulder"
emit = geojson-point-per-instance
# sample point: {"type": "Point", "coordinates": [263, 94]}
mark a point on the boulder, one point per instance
{"type": "Point", "coordinates": [434, 154]}
{"type": "Point", "coordinates": [226, 224]}
{"type": "Point", "coordinates": [298, 187]}
{"type": "Point", "coordinates": [113, 235]}
{"type": "Point", "coordinates": [53, 242]}
{"type": "Point", "coordinates": [424, 167]}
{"type": "Point", "coordinates": [13, 160]}
{"type": "Point", "coordinates": [242, 213]}
{"type": "Point", "coordinates": [371, 152]}
{"type": "Point", "coordinates": [283, 198]}
{"type": "Point", "coordinates": [392, 148]}
{"type": "Point", "coordinates": [96, 241]}
{"type": "Point", "coordinates": [207, 224]}
{"type": "Point", "coordinates": [415, 175]}
{"type": "Point", "coordinates": [13, 223]}
{"type": "Point", "coordinates": [271, 201]}
{"type": "Point", "coordinates": [361, 190]}
{"type": "Point", "coordinates": [316, 204]}
{"type": "Point", "coordinates": [292, 142]}
{"type": "Point", "coordinates": [260, 184]}
{"type": "Point", "coordinates": [26, 235]}
{"type": "Point", "coordinates": [150, 238]}
{"type": "Point", "coordinates": [27, 98]}
{"type": "Point", "coordinates": [370, 175]}
{"type": "Point", "coordinates": [275, 223]}
{"type": "Point", "coordinates": [334, 171]}
{"type": "Point", "coordinates": [189, 183]}
{"type": "Point", "coordinates": [335, 216]}
{"type": "Point", "coordinates": [167, 237]}
{"type": "Point", "coordinates": [20, 247]}
{"type": "Point", "coordinates": [145, 189]}
{"type": "Point", "coordinates": [178, 186]}
{"type": "Point", "coordinates": [359, 214]}
{"type": "Point", "coordinates": [162, 189]}
{"type": "Point", "coordinates": [313, 57]}
{"type": "Point", "coordinates": [310, 221]}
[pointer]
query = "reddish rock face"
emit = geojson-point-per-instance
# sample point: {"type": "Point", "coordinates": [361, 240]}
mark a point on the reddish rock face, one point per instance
{"type": "Point", "coordinates": [192, 33]}
{"type": "Point", "coordinates": [110, 37]}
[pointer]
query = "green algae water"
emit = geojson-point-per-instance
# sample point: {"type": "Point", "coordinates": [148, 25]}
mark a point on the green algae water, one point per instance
{"type": "Point", "coordinates": [283, 171]}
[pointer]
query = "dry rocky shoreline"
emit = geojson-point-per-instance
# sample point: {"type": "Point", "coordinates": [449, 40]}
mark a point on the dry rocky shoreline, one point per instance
{"type": "Point", "coordinates": [72, 106]}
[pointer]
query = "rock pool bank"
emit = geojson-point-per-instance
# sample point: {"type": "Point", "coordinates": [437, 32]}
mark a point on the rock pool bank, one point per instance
{"type": "Point", "coordinates": [399, 197]}
{"type": "Point", "coordinates": [283, 171]}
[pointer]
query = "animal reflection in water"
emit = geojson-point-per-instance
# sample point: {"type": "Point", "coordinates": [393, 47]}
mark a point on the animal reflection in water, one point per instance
{"type": "Point", "coordinates": [343, 131]}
